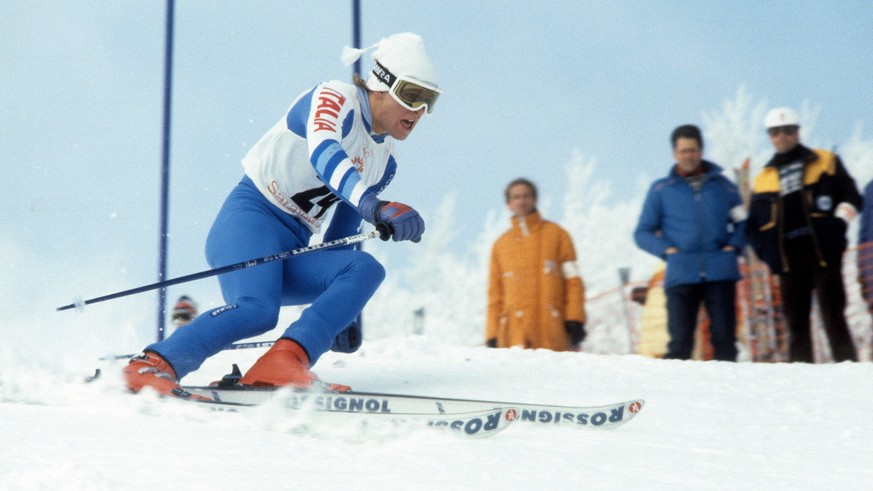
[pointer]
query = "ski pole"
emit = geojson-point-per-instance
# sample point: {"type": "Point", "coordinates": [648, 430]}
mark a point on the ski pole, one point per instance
{"type": "Point", "coordinates": [247, 345]}
{"type": "Point", "coordinates": [352, 239]}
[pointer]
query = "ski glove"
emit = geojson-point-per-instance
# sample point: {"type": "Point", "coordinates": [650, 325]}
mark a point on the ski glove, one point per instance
{"type": "Point", "coordinates": [348, 340]}
{"type": "Point", "coordinates": [576, 330]}
{"type": "Point", "coordinates": [392, 219]}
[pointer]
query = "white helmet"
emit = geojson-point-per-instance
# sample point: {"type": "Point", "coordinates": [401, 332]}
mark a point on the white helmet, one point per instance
{"type": "Point", "coordinates": [402, 54]}
{"type": "Point", "coordinates": [402, 68]}
{"type": "Point", "coordinates": [781, 116]}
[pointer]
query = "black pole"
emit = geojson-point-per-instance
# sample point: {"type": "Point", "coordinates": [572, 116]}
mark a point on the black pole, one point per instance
{"type": "Point", "coordinates": [382, 231]}
{"type": "Point", "coordinates": [165, 169]}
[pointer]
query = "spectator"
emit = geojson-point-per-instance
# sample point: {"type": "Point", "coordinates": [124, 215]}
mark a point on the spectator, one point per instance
{"type": "Point", "coordinates": [184, 311]}
{"type": "Point", "coordinates": [536, 298]}
{"type": "Point", "coordinates": [654, 336]}
{"type": "Point", "coordinates": [333, 146]}
{"type": "Point", "coordinates": [694, 219]}
{"type": "Point", "coordinates": [801, 205]}
{"type": "Point", "coordinates": [865, 248]}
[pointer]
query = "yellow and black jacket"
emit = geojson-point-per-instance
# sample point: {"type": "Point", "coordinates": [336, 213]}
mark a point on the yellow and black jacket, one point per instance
{"type": "Point", "coordinates": [826, 184]}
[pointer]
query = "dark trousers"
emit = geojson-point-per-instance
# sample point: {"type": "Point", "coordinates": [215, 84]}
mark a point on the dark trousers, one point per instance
{"type": "Point", "coordinates": [805, 275]}
{"type": "Point", "coordinates": [683, 305]}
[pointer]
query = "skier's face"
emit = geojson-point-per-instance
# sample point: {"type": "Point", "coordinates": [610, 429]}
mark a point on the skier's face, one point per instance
{"type": "Point", "coordinates": [392, 118]}
{"type": "Point", "coordinates": [687, 154]}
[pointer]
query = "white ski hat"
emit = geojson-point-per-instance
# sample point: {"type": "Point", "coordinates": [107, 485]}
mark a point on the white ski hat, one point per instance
{"type": "Point", "coordinates": [781, 116]}
{"type": "Point", "coordinates": [402, 54]}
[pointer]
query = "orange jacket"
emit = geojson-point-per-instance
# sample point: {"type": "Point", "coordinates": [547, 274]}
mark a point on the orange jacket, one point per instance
{"type": "Point", "coordinates": [534, 286]}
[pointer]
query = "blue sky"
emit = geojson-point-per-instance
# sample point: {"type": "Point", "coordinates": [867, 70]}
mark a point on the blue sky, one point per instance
{"type": "Point", "coordinates": [526, 85]}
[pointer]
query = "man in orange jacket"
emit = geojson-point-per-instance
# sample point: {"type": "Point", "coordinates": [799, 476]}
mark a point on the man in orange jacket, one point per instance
{"type": "Point", "coordinates": [536, 298]}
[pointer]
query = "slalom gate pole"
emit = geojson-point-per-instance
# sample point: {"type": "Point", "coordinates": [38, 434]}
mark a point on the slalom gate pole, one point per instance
{"type": "Point", "coordinates": [352, 239]}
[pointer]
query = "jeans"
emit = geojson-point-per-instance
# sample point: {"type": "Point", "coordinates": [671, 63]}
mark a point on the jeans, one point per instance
{"type": "Point", "coordinates": [683, 305]}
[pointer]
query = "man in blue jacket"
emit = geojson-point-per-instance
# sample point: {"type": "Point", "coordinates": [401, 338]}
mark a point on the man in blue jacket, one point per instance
{"type": "Point", "coordinates": [695, 220]}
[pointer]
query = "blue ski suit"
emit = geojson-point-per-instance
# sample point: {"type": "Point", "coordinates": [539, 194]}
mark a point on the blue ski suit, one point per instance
{"type": "Point", "coordinates": [321, 154]}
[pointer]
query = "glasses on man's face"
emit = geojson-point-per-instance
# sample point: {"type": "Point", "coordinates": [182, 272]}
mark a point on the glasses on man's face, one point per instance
{"type": "Point", "coordinates": [182, 319]}
{"type": "Point", "coordinates": [777, 130]}
{"type": "Point", "coordinates": [414, 95]}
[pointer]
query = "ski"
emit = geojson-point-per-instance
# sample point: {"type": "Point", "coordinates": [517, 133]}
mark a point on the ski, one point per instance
{"type": "Point", "coordinates": [454, 413]}
{"type": "Point", "coordinates": [314, 418]}
{"type": "Point", "coordinates": [604, 417]}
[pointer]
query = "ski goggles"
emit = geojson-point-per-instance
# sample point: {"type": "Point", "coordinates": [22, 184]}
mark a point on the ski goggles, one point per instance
{"type": "Point", "coordinates": [789, 130]}
{"type": "Point", "coordinates": [408, 92]}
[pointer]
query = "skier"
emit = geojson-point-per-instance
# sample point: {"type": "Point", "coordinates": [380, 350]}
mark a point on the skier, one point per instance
{"type": "Point", "coordinates": [333, 148]}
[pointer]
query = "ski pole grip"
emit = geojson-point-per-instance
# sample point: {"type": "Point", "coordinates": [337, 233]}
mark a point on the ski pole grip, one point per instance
{"type": "Point", "coordinates": [385, 230]}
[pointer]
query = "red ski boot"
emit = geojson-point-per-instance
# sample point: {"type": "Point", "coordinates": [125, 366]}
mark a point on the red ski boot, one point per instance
{"type": "Point", "coordinates": [286, 364]}
{"type": "Point", "coordinates": [152, 370]}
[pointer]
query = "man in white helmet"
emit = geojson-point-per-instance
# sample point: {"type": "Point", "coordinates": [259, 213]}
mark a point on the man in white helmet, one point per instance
{"type": "Point", "coordinates": [802, 203]}
{"type": "Point", "coordinates": [333, 148]}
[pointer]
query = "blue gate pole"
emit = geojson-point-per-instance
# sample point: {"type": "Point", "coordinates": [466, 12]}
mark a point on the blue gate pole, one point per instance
{"type": "Point", "coordinates": [165, 169]}
{"type": "Point", "coordinates": [356, 33]}
{"type": "Point", "coordinates": [356, 70]}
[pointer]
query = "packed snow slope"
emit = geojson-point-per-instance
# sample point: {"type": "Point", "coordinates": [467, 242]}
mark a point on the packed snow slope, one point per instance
{"type": "Point", "coordinates": [706, 425]}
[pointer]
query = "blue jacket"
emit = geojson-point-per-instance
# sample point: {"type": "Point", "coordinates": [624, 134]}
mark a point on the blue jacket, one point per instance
{"type": "Point", "coordinates": [698, 224]}
{"type": "Point", "coordinates": [865, 234]}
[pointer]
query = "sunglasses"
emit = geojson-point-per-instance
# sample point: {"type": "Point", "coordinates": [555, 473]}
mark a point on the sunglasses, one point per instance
{"type": "Point", "coordinates": [788, 130]}
{"type": "Point", "coordinates": [182, 319]}
{"type": "Point", "coordinates": [409, 93]}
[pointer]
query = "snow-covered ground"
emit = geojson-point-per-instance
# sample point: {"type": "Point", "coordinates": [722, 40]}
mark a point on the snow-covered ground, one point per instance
{"type": "Point", "coordinates": [706, 425]}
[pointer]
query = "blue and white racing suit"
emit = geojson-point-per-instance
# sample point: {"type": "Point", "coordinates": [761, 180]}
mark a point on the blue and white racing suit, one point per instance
{"type": "Point", "coordinates": [322, 153]}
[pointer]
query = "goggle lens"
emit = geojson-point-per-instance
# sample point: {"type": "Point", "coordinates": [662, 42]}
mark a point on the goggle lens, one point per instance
{"type": "Point", "coordinates": [414, 96]}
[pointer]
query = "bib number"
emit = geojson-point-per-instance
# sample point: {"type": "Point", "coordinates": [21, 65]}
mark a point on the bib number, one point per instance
{"type": "Point", "coordinates": [320, 197]}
